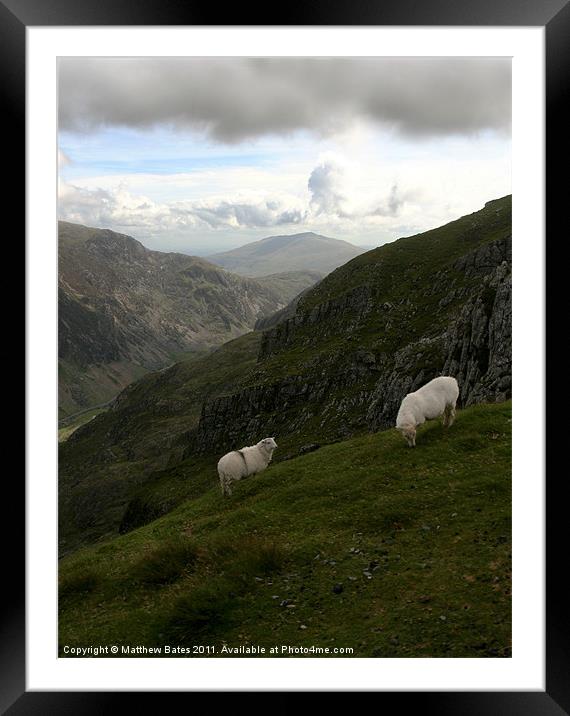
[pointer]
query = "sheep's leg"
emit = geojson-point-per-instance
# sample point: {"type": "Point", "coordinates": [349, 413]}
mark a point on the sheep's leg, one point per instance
{"type": "Point", "coordinates": [449, 416]}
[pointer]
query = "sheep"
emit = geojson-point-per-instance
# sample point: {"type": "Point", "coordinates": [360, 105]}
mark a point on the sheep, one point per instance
{"type": "Point", "coordinates": [438, 397]}
{"type": "Point", "coordinates": [239, 464]}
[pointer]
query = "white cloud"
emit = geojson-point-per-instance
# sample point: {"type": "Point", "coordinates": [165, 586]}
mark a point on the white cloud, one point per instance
{"type": "Point", "coordinates": [326, 185]}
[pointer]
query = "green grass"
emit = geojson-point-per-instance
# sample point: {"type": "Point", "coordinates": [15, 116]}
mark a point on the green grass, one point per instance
{"type": "Point", "coordinates": [166, 562]}
{"type": "Point", "coordinates": [419, 541]}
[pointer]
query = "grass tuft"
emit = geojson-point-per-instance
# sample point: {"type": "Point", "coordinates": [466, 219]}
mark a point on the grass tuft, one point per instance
{"type": "Point", "coordinates": [202, 610]}
{"type": "Point", "coordinates": [166, 563]}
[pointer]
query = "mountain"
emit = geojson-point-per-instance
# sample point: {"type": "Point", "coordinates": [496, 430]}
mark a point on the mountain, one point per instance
{"type": "Point", "coordinates": [334, 367]}
{"type": "Point", "coordinates": [125, 310]}
{"type": "Point", "coordinates": [298, 252]}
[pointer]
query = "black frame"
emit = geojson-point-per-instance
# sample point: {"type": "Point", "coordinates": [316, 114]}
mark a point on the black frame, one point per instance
{"type": "Point", "coordinates": [554, 15]}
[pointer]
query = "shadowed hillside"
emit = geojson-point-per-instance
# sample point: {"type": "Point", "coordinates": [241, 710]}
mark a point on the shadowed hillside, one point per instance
{"type": "Point", "coordinates": [125, 310]}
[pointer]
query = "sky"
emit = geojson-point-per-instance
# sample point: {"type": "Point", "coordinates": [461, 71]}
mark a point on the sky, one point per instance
{"type": "Point", "coordinates": [201, 155]}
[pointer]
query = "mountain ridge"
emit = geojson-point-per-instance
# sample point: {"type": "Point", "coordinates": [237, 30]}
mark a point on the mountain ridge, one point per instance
{"type": "Point", "coordinates": [287, 252]}
{"type": "Point", "coordinates": [125, 309]}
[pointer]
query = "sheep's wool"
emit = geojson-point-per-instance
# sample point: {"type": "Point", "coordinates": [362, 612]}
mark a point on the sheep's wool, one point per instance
{"type": "Point", "coordinates": [438, 397]}
{"type": "Point", "coordinates": [238, 464]}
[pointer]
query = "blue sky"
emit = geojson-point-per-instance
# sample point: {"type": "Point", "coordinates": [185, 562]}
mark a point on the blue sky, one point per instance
{"type": "Point", "coordinates": [216, 169]}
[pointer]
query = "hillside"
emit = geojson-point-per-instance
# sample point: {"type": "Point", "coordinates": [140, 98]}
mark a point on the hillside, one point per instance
{"type": "Point", "coordinates": [363, 544]}
{"type": "Point", "coordinates": [289, 284]}
{"type": "Point", "coordinates": [125, 310]}
{"type": "Point", "coordinates": [368, 333]}
{"type": "Point", "coordinates": [297, 252]}
{"type": "Point", "coordinates": [114, 463]}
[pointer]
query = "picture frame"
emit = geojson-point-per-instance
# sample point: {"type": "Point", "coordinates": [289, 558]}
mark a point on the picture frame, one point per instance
{"type": "Point", "coordinates": [16, 16]}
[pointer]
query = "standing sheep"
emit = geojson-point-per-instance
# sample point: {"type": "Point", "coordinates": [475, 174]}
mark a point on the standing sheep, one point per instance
{"type": "Point", "coordinates": [238, 464]}
{"type": "Point", "coordinates": [438, 397]}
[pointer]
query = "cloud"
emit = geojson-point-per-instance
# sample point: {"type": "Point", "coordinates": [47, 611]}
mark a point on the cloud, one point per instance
{"type": "Point", "coordinates": [119, 208]}
{"type": "Point", "coordinates": [245, 214]}
{"type": "Point", "coordinates": [330, 187]}
{"type": "Point", "coordinates": [113, 208]}
{"type": "Point", "coordinates": [325, 185]}
{"type": "Point", "coordinates": [393, 203]}
{"type": "Point", "coordinates": [235, 99]}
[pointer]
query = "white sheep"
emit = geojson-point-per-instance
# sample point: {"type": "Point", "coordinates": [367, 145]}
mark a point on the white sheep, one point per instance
{"type": "Point", "coordinates": [238, 464]}
{"type": "Point", "coordinates": [438, 397]}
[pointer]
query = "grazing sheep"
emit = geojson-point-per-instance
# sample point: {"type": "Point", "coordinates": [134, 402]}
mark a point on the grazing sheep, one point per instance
{"type": "Point", "coordinates": [238, 464]}
{"type": "Point", "coordinates": [438, 397]}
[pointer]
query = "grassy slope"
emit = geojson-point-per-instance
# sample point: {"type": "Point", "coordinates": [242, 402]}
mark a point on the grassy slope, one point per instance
{"type": "Point", "coordinates": [98, 384]}
{"type": "Point", "coordinates": [144, 435]}
{"type": "Point", "coordinates": [431, 526]}
{"type": "Point", "coordinates": [290, 284]}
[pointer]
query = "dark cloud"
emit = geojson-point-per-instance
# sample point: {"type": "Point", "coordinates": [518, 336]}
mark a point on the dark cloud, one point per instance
{"type": "Point", "coordinates": [233, 99]}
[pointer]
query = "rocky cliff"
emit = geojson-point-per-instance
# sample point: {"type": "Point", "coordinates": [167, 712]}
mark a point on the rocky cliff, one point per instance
{"type": "Point", "coordinates": [376, 329]}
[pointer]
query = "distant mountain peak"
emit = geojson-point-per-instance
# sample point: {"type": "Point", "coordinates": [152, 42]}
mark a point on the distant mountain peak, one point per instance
{"type": "Point", "coordinates": [305, 251]}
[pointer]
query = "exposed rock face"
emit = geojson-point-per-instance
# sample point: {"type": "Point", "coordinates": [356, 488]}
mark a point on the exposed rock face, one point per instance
{"type": "Point", "coordinates": [266, 408]}
{"type": "Point", "coordinates": [475, 349]}
{"type": "Point", "coordinates": [479, 347]}
{"type": "Point", "coordinates": [347, 311]}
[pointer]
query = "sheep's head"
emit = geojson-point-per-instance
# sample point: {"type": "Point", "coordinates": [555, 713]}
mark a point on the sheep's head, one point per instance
{"type": "Point", "coordinates": [409, 433]}
{"type": "Point", "coordinates": [269, 444]}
